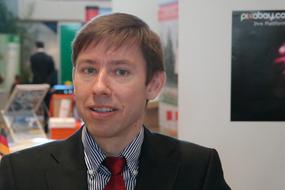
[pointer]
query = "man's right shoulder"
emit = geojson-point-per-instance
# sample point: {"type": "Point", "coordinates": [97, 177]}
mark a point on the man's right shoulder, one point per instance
{"type": "Point", "coordinates": [36, 152]}
{"type": "Point", "coordinates": [45, 150]}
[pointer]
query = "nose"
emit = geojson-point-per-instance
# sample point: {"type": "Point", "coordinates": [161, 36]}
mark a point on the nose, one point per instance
{"type": "Point", "coordinates": [101, 86]}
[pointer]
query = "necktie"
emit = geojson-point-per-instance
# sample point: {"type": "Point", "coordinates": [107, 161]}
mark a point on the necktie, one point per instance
{"type": "Point", "coordinates": [115, 165]}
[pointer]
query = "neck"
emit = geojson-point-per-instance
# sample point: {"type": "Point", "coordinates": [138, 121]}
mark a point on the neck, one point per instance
{"type": "Point", "coordinates": [114, 146]}
{"type": "Point", "coordinates": [40, 49]}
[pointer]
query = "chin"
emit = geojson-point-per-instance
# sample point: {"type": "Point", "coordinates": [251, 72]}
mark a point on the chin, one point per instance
{"type": "Point", "coordinates": [99, 130]}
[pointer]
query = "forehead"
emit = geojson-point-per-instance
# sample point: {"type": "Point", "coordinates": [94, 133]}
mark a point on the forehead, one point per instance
{"type": "Point", "coordinates": [110, 50]}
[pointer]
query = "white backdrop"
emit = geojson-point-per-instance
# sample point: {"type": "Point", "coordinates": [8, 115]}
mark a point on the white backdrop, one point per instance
{"type": "Point", "coordinates": [146, 10]}
{"type": "Point", "coordinates": [252, 153]}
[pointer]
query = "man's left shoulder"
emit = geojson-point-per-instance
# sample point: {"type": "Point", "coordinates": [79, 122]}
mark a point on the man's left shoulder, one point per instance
{"type": "Point", "coordinates": [183, 149]}
{"type": "Point", "coordinates": [198, 163]}
{"type": "Point", "coordinates": [178, 143]}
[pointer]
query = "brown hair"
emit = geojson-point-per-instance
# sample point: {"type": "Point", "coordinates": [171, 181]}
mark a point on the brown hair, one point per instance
{"type": "Point", "coordinates": [121, 29]}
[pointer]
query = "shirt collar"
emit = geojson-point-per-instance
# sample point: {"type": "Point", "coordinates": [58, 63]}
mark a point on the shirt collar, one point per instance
{"type": "Point", "coordinates": [96, 156]}
{"type": "Point", "coordinates": [132, 152]}
{"type": "Point", "coordinates": [92, 151]}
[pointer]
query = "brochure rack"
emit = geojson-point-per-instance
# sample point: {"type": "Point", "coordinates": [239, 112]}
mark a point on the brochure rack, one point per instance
{"type": "Point", "coordinates": [19, 112]}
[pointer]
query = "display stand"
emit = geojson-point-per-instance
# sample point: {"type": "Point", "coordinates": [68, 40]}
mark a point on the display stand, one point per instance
{"type": "Point", "coordinates": [62, 122]}
{"type": "Point", "coordinates": [20, 115]}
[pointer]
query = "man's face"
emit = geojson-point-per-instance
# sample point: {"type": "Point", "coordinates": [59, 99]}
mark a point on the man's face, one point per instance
{"type": "Point", "coordinates": [110, 90]}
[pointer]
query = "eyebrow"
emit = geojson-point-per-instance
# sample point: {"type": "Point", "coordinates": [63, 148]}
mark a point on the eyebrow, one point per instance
{"type": "Point", "coordinates": [120, 62]}
{"type": "Point", "coordinates": [112, 62]}
{"type": "Point", "coordinates": [88, 61]}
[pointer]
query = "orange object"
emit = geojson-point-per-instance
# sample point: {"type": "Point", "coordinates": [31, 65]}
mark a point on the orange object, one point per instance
{"type": "Point", "coordinates": [62, 132]}
{"type": "Point", "coordinates": [61, 106]}
{"type": "Point", "coordinates": [56, 104]}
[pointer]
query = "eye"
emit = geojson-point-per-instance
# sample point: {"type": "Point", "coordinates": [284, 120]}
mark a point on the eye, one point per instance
{"type": "Point", "coordinates": [89, 70]}
{"type": "Point", "coordinates": [121, 72]}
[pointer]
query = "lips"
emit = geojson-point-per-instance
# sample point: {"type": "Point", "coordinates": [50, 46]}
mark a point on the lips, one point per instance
{"type": "Point", "coordinates": [103, 109]}
{"type": "Point", "coordinates": [102, 112]}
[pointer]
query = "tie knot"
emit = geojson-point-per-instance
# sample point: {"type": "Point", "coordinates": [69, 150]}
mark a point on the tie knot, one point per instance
{"type": "Point", "coordinates": [115, 164]}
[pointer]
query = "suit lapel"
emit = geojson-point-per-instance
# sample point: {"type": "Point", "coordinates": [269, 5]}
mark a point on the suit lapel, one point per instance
{"type": "Point", "coordinates": [68, 170]}
{"type": "Point", "coordinates": [158, 168]}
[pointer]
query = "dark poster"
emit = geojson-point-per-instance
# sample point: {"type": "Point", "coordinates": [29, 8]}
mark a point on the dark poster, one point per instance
{"type": "Point", "coordinates": [258, 66]}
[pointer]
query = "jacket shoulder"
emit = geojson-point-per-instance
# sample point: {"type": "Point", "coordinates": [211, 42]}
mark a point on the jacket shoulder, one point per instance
{"type": "Point", "coordinates": [198, 163]}
{"type": "Point", "coordinates": [182, 148]}
{"type": "Point", "coordinates": [41, 153]}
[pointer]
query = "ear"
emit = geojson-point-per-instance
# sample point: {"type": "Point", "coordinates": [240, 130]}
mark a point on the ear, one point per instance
{"type": "Point", "coordinates": [154, 86]}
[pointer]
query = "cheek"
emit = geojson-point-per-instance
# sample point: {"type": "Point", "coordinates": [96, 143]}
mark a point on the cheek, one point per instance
{"type": "Point", "coordinates": [133, 95]}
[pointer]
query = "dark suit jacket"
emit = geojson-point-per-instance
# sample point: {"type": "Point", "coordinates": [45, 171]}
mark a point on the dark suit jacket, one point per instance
{"type": "Point", "coordinates": [42, 66]}
{"type": "Point", "coordinates": [165, 164]}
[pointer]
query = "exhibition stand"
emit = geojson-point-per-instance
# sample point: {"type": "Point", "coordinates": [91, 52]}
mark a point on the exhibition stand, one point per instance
{"type": "Point", "coordinates": [23, 116]}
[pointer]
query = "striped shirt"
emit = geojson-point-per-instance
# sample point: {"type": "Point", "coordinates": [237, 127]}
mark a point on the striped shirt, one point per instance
{"type": "Point", "coordinates": [97, 174]}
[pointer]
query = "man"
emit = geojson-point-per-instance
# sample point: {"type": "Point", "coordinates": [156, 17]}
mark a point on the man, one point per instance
{"type": "Point", "coordinates": [43, 70]}
{"type": "Point", "coordinates": [117, 69]}
{"type": "Point", "coordinates": [42, 65]}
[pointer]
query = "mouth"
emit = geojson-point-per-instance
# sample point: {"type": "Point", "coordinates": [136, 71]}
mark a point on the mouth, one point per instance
{"type": "Point", "coordinates": [103, 109]}
{"type": "Point", "coordinates": [102, 112]}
